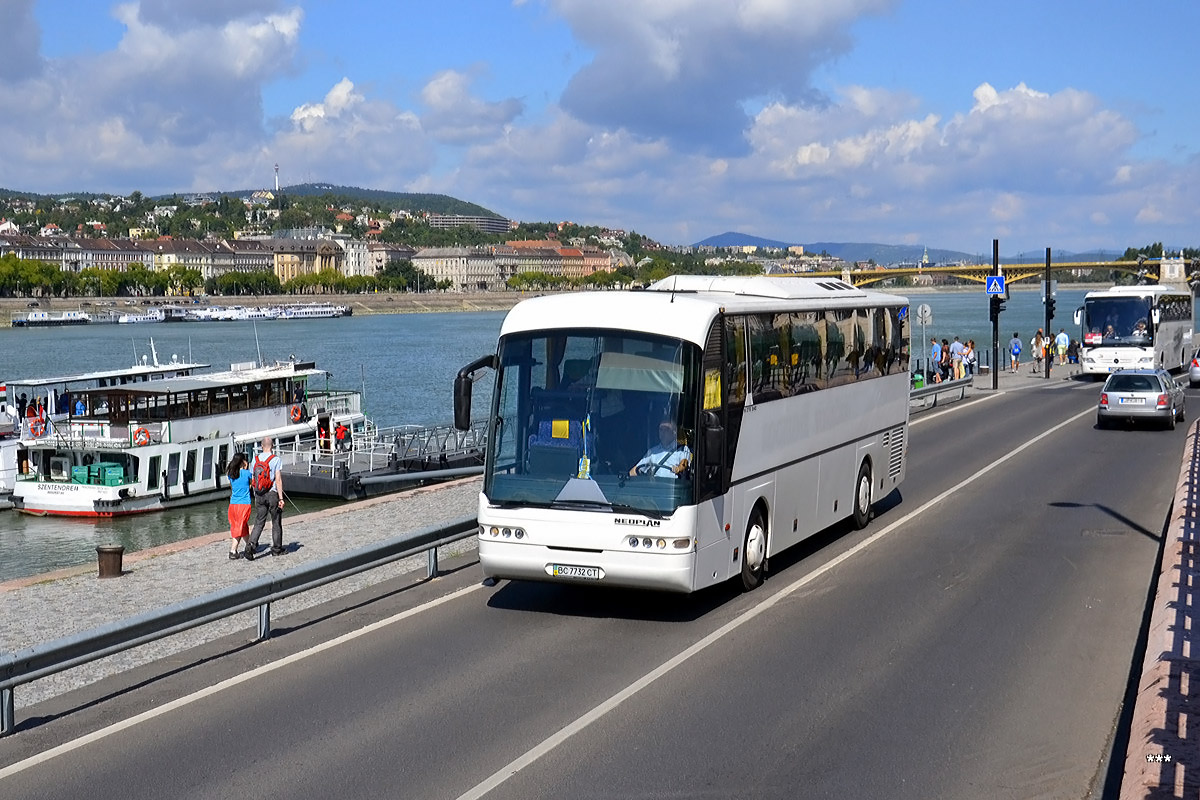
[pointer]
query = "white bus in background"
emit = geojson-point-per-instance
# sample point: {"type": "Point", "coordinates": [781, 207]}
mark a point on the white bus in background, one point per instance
{"type": "Point", "coordinates": [782, 406]}
{"type": "Point", "coordinates": [1131, 327]}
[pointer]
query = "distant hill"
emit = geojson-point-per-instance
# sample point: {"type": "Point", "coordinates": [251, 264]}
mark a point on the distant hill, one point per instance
{"type": "Point", "coordinates": [734, 239]}
{"type": "Point", "coordinates": [848, 251]}
{"type": "Point", "coordinates": [407, 201]}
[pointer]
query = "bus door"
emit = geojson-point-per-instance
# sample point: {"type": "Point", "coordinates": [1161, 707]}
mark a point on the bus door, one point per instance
{"type": "Point", "coordinates": [723, 385]}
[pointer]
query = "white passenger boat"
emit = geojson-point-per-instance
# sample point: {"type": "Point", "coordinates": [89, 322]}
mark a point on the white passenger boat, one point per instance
{"type": "Point", "coordinates": [154, 315]}
{"type": "Point", "coordinates": [145, 447]}
{"type": "Point", "coordinates": [44, 319]}
{"type": "Point", "coordinates": [19, 430]}
{"type": "Point", "coordinates": [314, 311]}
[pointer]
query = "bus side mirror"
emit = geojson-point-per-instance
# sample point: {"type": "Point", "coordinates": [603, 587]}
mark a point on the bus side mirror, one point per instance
{"type": "Point", "coordinates": [1155, 315]}
{"type": "Point", "coordinates": [462, 390]}
{"type": "Point", "coordinates": [1079, 316]}
{"type": "Point", "coordinates": [714, 440]}
{"type": "Point", "coordinates": [462, 402]}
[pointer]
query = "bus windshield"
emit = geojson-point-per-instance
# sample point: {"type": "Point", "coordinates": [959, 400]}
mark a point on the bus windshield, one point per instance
{"type": "Point", "coordinates": [592, 419]}
{"type": "Point", "coordinates": [1118, 321]}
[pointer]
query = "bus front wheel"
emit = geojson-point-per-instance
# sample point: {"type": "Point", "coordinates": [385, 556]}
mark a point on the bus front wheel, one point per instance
{"type": "Point", "coordinates": [862, 497]}
{"type": "Point", "coordinates": [754, 551]}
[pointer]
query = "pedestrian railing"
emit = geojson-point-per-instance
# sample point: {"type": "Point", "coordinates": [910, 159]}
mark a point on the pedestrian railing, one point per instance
{"type": "Point", "coordinates": [935, 390]}
{"type": "Point", "coordinates": [49, 658]}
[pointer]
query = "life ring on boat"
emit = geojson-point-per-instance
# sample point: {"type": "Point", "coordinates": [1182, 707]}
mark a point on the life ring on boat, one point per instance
{"type": "Point", "coordinates": [296, 413]}
{"type": "Point", "coordinates": [141, 437]}
{"type": "Point", "coordinates": [37, 427]}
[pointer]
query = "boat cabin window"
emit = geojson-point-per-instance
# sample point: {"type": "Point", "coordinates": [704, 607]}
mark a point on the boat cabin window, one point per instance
{"type": "Point", "coordinates": [155, 469]}
{"type": "Point", "coordinates": [206, 470]}
{"type": "Point", "coordinates": [172, 469]}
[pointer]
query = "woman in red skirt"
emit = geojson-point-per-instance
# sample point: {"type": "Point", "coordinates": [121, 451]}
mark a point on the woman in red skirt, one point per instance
{"type": "Point", "coordinates": [239, 504]}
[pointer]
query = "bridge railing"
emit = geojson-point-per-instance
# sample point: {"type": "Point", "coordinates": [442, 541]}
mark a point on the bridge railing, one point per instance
{"type": "Point", "coordinates": [49, 658]}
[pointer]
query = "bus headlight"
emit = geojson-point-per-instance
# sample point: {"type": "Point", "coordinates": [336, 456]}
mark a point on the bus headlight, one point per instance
{"type": "Point", "coordinates": [681, 544]}
{"type": "Point", "coordinates": [661, 544]}
{"type": "Point", "coordinates": [633, 541]}
{"type": "Point", "coordinates": [495, 531]}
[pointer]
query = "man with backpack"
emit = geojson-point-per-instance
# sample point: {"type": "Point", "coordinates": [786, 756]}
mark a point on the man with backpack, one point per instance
{"type": "Point", "coordinates": [266, 484]}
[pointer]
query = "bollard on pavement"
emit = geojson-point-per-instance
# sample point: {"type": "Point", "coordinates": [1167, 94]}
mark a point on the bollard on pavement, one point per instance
{"type": "Point", "coordinates": [108, 557]}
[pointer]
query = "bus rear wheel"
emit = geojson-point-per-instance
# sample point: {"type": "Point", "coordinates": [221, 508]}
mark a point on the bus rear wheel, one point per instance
{"type": "Point", "coordinates": [754, 551]}
{"type": "Point", "coordinates": [862, 497]}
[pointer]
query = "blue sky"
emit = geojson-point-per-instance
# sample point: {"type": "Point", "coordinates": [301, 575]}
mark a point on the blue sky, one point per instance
{"type": "Point", "coordinates": [941, 122]}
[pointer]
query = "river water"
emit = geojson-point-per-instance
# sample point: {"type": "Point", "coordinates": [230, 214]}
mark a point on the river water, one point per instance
{"type": "Point", "coordinates": [405, 363]}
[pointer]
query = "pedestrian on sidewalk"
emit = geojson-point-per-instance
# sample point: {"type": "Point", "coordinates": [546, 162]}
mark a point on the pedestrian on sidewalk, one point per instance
{"type": "Point", "coordinates": [1062, 342]}
{"type": "Point", "coordinates": [267, 482]}
{"type": "Point", "coordinates": [239, 504]}
{"type": "Point", "coordinates": [935, 359]}
{"type": "Point", "coordinates": [1014, 352]}
{"type": "Point", "coordinates": [1038, 344]}
{"type": "Point", "coordinates": [945, 366]}
{"type": "Point", "coordinates": [969, 358]}
{"type": "Point", "coordinates": [956, 359]}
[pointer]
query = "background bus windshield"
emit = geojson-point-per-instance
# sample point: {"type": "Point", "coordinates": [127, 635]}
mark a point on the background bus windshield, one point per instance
{"type": "Point", "coordinates": [1118, 321]}
{"type": "Point", "coordinates": [593, 419]}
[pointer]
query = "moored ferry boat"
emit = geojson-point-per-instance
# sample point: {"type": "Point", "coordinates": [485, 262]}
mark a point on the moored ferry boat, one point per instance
{"type": "Point", "coordinates": [31, 407]}
{"type": "Point", "coordinates": [154, 315]}
{"type": "Point", "coordinates": [144, 447]}
{"type": "Point", "coordinates": [44, 319]}
{"type": "Point", "coordinates": [314, 311]}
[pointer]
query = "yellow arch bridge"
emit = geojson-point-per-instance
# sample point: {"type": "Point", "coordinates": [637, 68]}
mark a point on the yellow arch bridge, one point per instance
{"type": "Point", "coordinates": [980, 272]}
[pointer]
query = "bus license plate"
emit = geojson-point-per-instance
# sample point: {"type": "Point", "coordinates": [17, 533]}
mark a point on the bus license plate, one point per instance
{"type": "Point", "coordinates": [572, 571]}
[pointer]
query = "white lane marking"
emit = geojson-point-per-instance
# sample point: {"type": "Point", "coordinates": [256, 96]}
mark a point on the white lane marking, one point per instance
{"type": "Point", "coordinates": [955, 407]}
{"type": "Point", "coordinates": [530, 756]}
{"type": "Point", "coordinates": [145, 716]}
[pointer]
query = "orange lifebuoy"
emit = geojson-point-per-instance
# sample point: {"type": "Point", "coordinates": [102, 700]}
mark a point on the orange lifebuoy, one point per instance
{"type": "Point", "coordinates": [141, 437]}
{"type": "Point", "coordinates": [295, 413]}
{"type": "Point", "coordinates": [37, 427]}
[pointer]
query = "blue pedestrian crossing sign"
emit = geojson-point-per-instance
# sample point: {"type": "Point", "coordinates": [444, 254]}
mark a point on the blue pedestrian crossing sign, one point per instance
{"type": "Point", "coordinates": [995, 284]}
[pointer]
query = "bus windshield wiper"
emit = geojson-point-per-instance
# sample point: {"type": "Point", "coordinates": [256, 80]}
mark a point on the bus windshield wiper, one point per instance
{"type": "Point", "coordinates": [620, 508]}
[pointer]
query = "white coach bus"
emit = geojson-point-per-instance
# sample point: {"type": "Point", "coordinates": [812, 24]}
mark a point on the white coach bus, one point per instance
{"type": "Point", "coordinates": [1130, 327]}
{"type": "Point", "coordinates": [679, 436]}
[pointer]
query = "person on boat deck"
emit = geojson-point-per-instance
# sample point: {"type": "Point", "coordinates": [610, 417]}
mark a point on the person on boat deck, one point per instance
{"type": "Point", "coordinates": [340, 432]}
{"type": "Point", "coordinates": [239, 504]}
{"type": "Point", "coordinates": [80, 408]}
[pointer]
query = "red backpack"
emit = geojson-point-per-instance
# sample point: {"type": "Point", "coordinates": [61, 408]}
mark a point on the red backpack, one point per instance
{"type": "Point", "coordinates": [261, 481]}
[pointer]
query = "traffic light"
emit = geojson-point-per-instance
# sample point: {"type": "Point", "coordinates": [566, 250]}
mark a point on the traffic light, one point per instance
{"type": "Point", "coordinates": [997, 305]}
{"type": "Point", "coordinates": [1049, 308]}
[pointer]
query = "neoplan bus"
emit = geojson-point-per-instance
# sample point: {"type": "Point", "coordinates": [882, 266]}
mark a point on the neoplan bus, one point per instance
{"type": "Point", "coordinates": [680, 436]}
{"type": "Point", "coordinates": [1133, 327]}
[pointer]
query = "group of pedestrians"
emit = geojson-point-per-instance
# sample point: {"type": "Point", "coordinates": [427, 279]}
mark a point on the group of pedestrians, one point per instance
{"type": "Point", "coordinates": [1046, 347]}
{"type": "Point", "coordinates": [952, 360]}
{"type": "Point", "coordinates": [255, 486]}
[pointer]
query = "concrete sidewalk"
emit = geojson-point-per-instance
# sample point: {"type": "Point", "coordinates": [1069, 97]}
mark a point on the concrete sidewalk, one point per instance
{"type": "Point", "coordinates": [46, 607]}
{"type": "Point", "coordinates": [1163, 757]}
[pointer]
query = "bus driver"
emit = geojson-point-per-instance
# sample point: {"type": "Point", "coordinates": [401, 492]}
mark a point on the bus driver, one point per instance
{"type": "Point", "coordinates": [666, 459]}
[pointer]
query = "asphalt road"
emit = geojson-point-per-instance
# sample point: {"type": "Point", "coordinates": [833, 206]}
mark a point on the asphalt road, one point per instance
{"type": "Point", "coordinates": [975, 640]}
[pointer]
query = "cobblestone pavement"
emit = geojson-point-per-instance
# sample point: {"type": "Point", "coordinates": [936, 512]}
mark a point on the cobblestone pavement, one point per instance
{"type": "Point", "coordinates": [57, 606]}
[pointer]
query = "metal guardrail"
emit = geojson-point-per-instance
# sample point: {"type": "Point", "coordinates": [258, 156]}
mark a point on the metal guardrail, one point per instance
{"type": "Point", "coordinates": [45, 659]}
{"type": "Point", "coordinates": [934, 389]}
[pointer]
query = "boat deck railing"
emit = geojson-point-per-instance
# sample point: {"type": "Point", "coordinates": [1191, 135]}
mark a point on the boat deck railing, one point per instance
{"type": "Point", "coordinates": [381, 448]}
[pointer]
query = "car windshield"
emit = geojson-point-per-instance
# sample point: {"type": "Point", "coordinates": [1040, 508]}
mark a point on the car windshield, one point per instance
{"type": "Point", "coordinates": [1133, 383]}
{"type": "Point", "coordinates": [1118, 321]}
{"type": "Point", "coordinates": [601, 420]}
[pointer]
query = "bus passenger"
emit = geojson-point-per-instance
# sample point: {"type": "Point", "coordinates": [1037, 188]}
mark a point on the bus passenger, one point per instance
{"type": "Point", "coordinates": [666, 459]}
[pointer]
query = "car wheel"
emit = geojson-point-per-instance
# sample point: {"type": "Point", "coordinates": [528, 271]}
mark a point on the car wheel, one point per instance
{"type": "Point", "coordinates": [1171, 419]}
{"type": "Point", "coordinates": [1101, 422]}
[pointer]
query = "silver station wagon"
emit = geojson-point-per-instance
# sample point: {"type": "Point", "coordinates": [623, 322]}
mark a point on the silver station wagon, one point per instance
{"type": "Point", "coordinates": [1141, 394]}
